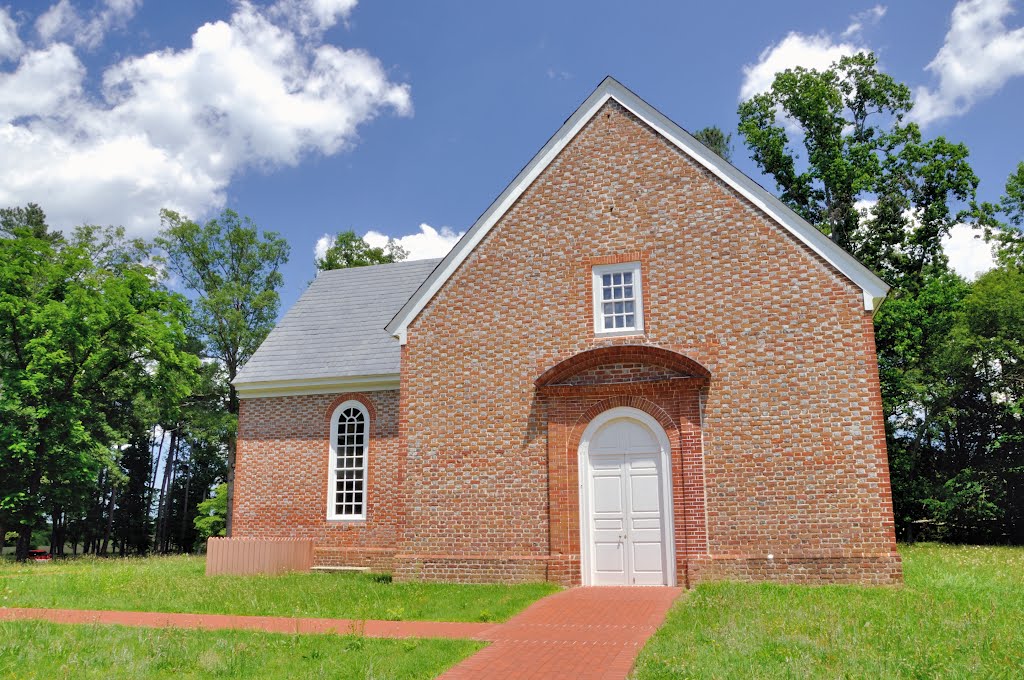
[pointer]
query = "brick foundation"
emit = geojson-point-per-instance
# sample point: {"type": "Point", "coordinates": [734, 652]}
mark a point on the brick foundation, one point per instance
{"type": "Point", "coordinates": [485, 569]}
{"type": "Point", "coordinates": [883, 570]}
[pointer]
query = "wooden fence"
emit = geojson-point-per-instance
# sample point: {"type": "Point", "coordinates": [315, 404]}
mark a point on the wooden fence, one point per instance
{"type": "Point", "coordinates": [258, 555]}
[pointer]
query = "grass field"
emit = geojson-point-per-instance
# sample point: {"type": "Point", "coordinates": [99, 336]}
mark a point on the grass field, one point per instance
{"type": "Point", "coordinates": [178, 584]}
{"type": "Point", "coordinates": [44, 650]}
{"type": "Point", "coordinates": [960, 615]}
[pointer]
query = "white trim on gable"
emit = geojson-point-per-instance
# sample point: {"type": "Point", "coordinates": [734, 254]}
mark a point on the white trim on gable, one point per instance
{"type": "Point", "coordinates": [873, 287]}
{"type": "Point", "coordinates": [285, 388]}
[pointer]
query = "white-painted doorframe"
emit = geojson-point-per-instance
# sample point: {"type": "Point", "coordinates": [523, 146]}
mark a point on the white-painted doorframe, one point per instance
{"type": "Point", "coordinates": [665, 472]}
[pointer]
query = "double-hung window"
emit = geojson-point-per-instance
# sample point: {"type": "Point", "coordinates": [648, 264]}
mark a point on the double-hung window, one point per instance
{"type": "Point", "coordinates": [346, 493]}
{"type": "Point", "coordinates": [618, 305]}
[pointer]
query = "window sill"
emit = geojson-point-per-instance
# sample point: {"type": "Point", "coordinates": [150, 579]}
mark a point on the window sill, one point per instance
{"type": "Point", "coordinates": [619, 334]}
{"type": "Point", "coordinates": [347, 520]}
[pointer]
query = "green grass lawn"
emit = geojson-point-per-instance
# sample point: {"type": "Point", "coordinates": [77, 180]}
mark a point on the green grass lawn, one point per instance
{"type": "Point", "coordinates": [35, 649]}
{"type": "Point", "coordinates": [178, 584]}
{"type": "Point", "coordinates": [960, 615]}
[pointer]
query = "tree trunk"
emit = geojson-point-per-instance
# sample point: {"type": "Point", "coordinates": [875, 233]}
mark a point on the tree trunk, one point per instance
{"type": "Point", "coordinates": [105, 545]}
{"type": "Point", "coordinates": [184, 513]}
{"type": "Point", "coordinates": [57, 532]}
{"type": "Point", "coordinates": [151, 488]}
{"type": "Point", "coordinates": [166, 531]}
{"type": "Point", "coordinates": [24, 542]}
{"type": "Point", "coordinates": [162, 510]}
{"type": "Point", "coordinates": [25, 529]}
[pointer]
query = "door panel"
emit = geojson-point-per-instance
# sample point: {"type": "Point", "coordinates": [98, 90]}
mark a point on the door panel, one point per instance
{"type": "Point", "coordinates": [626, 524]}
{"type": "Point", "coordinates": [608, 521]}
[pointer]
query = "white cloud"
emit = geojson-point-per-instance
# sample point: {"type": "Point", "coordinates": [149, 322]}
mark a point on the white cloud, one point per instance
{"type": "Point", "coordinates": [44, 82]}
{"type": "Point", "coordinates": [425, 244]}
{"type": "Point", "coordinates": [796, 49]}
{"type": "Point", "coordinates": [10, 44]}
{"type": "Point", "coordinates": [968, 256]}
{"type": "Point", "coordinates": [63, 22]}
{"type": "Point", "coordinates": [861, 19]}
{"type": "Point", "coordinates": [818, 51]}
{"type": "Point", "coordinates": [978, 57]}
{"type": "Point", "coordinates": [322, 244]}
{"type": "Point", "coordinates": [172, 128]}
{"type": "Point", "coordinates": [311, 17]}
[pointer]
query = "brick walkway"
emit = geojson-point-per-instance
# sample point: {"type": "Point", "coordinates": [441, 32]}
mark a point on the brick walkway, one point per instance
{"type": "Point", "coordinates": [577, 633]}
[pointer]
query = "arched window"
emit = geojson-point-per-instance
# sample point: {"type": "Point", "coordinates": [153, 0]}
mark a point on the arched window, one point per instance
{"type": "Point", "coordinates": [346, 494]}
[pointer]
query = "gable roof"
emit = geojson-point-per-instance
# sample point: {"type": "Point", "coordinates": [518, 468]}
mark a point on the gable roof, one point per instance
{"type": "Point", "coordinates": [873, 287]}
{"type": "Point", "coordinates": [333, 337]}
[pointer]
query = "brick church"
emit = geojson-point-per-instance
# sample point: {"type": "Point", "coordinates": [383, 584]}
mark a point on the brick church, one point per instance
{"type": "Point", "coordinates": [638, 367]}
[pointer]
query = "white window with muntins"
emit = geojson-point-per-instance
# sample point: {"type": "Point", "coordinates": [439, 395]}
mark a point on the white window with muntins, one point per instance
{"type": "Point", "coordinates": [618, 304]}
{"type": "Point", "coordinates": [346, 491]}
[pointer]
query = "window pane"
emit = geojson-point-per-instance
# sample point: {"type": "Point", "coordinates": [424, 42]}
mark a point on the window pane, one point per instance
{"type": "Point", "coordinates": [629, 320]}
{"type": "Point", "coordinates": [350, 452]}
{"type": "Point", "coordinates": [618, 322]}
{"type": "Point", "coordinates": [627, 277]}
{"type": "Point", "coordinates": [627, 307]}
{"type": "Point", "coordinates": [606, 293]}
{"type": "Point", "coordinates": [608, 322]}
{"type": "Point", "coordinates": [618, 308]}
{"type": "Point", "coordinates": [606, 280]}
{"type": "Point", "coordinates": [627, 291]}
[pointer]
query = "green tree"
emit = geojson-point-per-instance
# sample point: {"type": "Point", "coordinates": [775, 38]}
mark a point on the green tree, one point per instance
{"type": "Point", "coordinates": [837, 146]}
{"type": "Point", "coordinates": [28, 220]}
{"type": "Point", "coordinates": [233, 273]}
{"type": "Point", "coordinates": [1008, 236]}
{"type": "Point", "coordinates": [715, 139]}
{"type": "Point", "coordinates": [212, 517]}
{"type": "Point", "coordinates": [348, 250]}
{"type": "Point", "coordinates": [847, 116]}
{"type": "Point", "coordinates": [83, 321]}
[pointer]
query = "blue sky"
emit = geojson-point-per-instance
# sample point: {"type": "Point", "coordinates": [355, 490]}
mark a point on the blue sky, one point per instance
{"type": "Point", "coordinates": [407, 119]}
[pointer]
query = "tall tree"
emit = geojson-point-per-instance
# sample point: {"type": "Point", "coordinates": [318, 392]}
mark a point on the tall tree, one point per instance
{"type": "Point", "coordinates": [715, 139]}
{"type": "Point", "coordinates": [847, 117]}
{"type": "Point", "coordinates": [837, 146]}
{"type": "Point", "coordinates": [348, 250]}
{"type": "Point", "coordinates": [82, 321]}
{"type": "Point", "coordinates": [233, 273]}
{"type": "Point", "coordinates": [1008, 235]}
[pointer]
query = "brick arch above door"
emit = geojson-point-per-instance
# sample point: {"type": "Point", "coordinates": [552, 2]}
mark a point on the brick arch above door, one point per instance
{"type": "Point", "coordinates": [673, 401]}
{"type": "Point", "coordinates": [671, 363]}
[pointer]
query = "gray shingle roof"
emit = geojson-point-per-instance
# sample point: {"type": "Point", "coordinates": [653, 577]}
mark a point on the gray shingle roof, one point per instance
{"type": "Point", "coordinates": [336, 328]}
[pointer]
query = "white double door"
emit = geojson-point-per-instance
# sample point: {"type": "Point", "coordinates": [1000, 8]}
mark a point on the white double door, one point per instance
{"type": "Point", "coordinates": [627, 524]}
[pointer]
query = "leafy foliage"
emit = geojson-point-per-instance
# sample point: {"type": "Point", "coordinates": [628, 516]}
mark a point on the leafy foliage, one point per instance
{"type": "Point", "coordinates": [213, 514]}
{"type": "Point", "coordinates": [715, 139]}
{"type": "Point", "coordinates": [348, 250]}
{"type": "Point", "coordinates": [84, 324]}
{"type": "Point", "coordinates": [233, 273]}
{"type": "Point", "coordinates": [837, 146]}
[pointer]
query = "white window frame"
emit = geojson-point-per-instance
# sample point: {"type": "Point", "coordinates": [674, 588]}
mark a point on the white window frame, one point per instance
{"type": "Point", "coordinates": [598, 272]}
{"type": "Point", "coordinates": [332, 477]}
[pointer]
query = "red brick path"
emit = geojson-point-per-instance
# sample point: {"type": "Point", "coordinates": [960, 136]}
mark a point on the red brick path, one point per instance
{"type": "Point", "coordinates": [577, 633]}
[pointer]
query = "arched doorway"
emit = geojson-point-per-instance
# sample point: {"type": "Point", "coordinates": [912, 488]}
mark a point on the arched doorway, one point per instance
{"type": "Point", "coordinates": [626, 533]}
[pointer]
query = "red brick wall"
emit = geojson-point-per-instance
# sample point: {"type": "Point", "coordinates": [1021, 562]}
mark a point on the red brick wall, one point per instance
{"type": "Point", "coordinates": [793, 452]}
{"type": "Point", "coordinates": [282, 469]}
